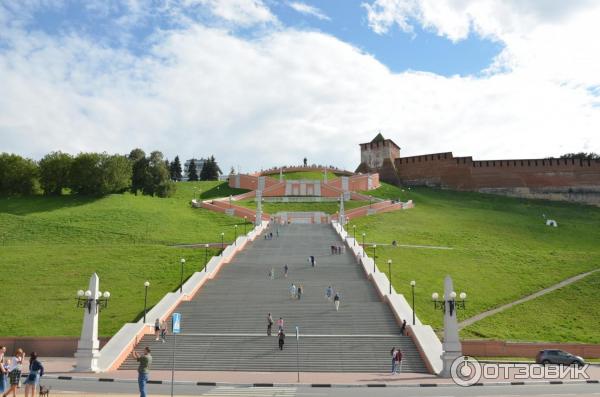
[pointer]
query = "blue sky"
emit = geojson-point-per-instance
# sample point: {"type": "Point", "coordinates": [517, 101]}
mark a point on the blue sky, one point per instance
{"type": "Point", "coordinates": [287, 79]}
{"type": "Point", "coordinates": [419, 50]}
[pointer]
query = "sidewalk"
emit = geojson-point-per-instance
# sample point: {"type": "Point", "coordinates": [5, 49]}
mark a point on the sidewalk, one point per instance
{"type": "Point", "coordinates": [62, 367]}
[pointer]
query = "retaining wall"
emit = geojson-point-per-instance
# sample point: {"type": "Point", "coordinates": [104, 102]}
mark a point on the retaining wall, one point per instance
{"type": "Point", "coordinates": [496, 348]}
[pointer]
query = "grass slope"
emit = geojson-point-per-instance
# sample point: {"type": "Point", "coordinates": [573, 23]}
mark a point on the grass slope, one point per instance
{"type": "Point", "coordinates": [502, 251]}
{"type": "Point", "coordinates": [51, 245]}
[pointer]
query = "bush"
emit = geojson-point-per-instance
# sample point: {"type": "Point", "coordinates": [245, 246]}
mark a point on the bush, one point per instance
{"type": "Point", "coordinates": [18, 176]}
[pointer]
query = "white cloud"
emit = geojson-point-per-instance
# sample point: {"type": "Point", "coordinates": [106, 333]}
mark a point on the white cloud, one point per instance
{"type": "Point", "coordinates": [288, 94]}
{"type": "Point", "coordinates": [307, 9]}
{"type": "Point", "coordinates": [240, 12]}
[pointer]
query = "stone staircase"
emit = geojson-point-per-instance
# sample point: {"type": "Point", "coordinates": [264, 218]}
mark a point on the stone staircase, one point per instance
{"type": "Point", "coordinates": [224, 326]}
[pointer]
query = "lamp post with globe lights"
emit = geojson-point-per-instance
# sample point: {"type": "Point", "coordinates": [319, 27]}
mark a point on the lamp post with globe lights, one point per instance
{"type": "Point", "coordinates": [363, 243]}
{"type": "Point", "coordinates": [390, 273]}
{"type": "Point", "coordinates": [235, 239]}
{"type": "Point", "coordinates": [222, 242]}
{"type": "Point", "coordinates": [245, 222]}
{"type": "Point", "coordinates": [182, 261]}
{"type": "Point", "coordinates": [146, 285]}
{"type": "Point", "coordinates": [374, 248]}
{"type": "Point", "coordinates": [354, 233]}
{"type": "Point", "coordinates": [205, 256]}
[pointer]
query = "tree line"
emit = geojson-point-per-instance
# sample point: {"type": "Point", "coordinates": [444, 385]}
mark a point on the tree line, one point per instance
{"type": "Point", "coordinates": [95, 174]}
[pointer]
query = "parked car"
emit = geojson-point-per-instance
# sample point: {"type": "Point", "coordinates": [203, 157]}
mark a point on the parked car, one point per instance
{"type": "Point", "coordinates": [558, 357]}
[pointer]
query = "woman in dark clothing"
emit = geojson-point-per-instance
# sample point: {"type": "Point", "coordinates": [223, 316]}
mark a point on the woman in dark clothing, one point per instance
{"type": "Point", "coordinates": [281, 339]}
{"type": "Point", "coordinates": [36, 371]}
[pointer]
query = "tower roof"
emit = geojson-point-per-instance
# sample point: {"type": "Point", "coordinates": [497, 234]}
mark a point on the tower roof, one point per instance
{"type": "Point", "coordinates": [379, 138]}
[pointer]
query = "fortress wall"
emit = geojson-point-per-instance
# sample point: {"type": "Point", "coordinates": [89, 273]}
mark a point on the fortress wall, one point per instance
{"type": "Point", "coordinates": [555, 179]}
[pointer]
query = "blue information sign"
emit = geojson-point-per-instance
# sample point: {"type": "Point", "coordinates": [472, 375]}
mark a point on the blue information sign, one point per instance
{"type": "Point", "coordinates": [176, 323]}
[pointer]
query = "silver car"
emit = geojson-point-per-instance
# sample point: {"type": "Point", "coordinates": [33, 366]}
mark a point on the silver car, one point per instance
{"type": "Point", "coordinates": [558, 357]}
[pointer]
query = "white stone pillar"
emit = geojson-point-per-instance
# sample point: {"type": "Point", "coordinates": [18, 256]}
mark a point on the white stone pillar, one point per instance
{"type": "Point", "coordinates": [87, 353]}
{"type": "Point", "coordinates": [451, 346]}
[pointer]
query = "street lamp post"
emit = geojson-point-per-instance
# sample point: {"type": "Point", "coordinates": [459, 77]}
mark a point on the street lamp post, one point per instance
{"type": "Point", "coordinates": [222, 242]}
{"type": "Point", "coordinates": [374, 247]}
{"type": "Point", "coordinates": [363, 243]}
{"type": "Point", "coordinates": [182, 261]}
{"type": "Point", "coordinates": [245, 221]}
{"type": "Point", "coordinates": [354, 230]}
{"type": "Point", "coordinates": [390, 274]}
{"type": "Point", "coordinates": [453, 304]}
{"type": "Point", "coordinates": [235, 239]}
{"type": "Point", "coordinates": [205, 256]}
{"type": "Point", "coordinates": [412, 285]}
{"type": "Point", "coordinates": [146, 285]}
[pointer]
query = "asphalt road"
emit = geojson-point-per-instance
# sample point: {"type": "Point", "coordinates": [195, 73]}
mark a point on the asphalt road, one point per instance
{"type": "Point", "coordinates": [73, 387]}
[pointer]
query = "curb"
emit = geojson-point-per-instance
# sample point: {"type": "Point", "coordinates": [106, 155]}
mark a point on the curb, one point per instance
{"type": "Point", "coordinates": [318, 385]}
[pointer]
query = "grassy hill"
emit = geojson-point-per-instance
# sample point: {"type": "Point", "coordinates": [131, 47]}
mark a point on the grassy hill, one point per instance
{"type": "Point", "coordinates": [51, 245]}
{"type": "Point", "coordinates": [501, 251]}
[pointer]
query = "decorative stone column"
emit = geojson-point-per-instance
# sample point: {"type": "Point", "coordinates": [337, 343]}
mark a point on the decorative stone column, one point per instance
{"type": "Point", "coordinates": [451, 346]}
{"type": "Point", "coordinates": [87, 353]}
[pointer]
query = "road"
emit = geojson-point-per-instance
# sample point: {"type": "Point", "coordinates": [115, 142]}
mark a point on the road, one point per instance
{"type": "Point", "coordinates": [82, 388]}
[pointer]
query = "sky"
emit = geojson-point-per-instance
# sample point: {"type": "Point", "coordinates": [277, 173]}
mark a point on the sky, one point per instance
{"type": "Point", "coordinates": [261, 83]}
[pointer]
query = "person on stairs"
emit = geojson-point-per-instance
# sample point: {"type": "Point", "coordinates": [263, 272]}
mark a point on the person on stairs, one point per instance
{"type": "Point", "coordinates": [269, 324]}
{"type": "Point", "coordinates": [336, 301]}
{"type": "Point", "coordinates": [281, 339]}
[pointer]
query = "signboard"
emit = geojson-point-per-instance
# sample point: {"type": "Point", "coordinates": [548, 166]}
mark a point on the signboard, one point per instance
{"type": "Point", "coordinates": [176, 323]}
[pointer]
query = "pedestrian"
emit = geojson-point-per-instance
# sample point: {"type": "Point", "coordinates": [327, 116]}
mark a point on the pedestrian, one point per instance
{"type": "Point", "coordinates": [272, 274]}
{"type": "Point", "coordinates": [145, 361]}
{"type": "Point", "coordinates": [332, 248]}
{"type": "Point", "coordinates": [280, 323]}
{"type": "Point", "coordinates": [403, 328]}
{"type": "Point", "coordinates": [15, 367]}
{"type": "Point", "coordinates": [299, 292]}
{"type": "Point", "coordinates": [336, 301]}
{"type": "Point", "coordinates": [393, 354]}
{"type": "Point", "coordinates": [293, 290]}
{"type": "Point", "coordinates": [281, 338]}
{"type": "Point", "coordinates": [313, 262]}
{"type": "Point", "coordinates": [329, 293]}
{"type": "Point", "coordinates": [269, 324]}
{"type": "Point", "coordinates": [3, 372]}
{"type": "Point", "coordinates": [36, 371]}
{"type": "Point", "coordinates": [157, 328]}
{"type": "Point", "coordinates": [285, 270]}
{"type": "Point", "coordinates": [163, 331]}
{"type": "Point", "coordinates": [398, 358]}
{"type": "Point", "coordinates": [277, 231]}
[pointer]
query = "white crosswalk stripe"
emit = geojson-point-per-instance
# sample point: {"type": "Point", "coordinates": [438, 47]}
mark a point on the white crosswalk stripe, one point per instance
{"type": "Point", "coordinates": [231, 391]}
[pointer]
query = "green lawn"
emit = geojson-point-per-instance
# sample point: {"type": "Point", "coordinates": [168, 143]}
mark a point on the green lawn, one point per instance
{"type": "Point", "coordinates": [502, 251]}
{"type": "Point", "coordinates": [312, 175]}
{"type": "Point", "coordinates": [328, 207]}
{"type": "Point", "coordinates": [51, 245]}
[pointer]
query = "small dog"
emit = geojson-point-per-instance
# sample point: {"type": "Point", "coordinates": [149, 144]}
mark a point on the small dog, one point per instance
{"type": "Point", "coordinates": [44, 391]}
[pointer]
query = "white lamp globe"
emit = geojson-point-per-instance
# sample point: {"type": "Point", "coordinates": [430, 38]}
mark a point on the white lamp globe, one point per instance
{"type": "Point", "coordinates": [147, 284]}
{"type": "Point", "coordinates": [389, 261]}
{"type": "Point", "coordinates": [206, 245]}
{"type": "Point", "coordinates": [452, 295]}
{"type": "Point", "coordinates": [182, 260]}
{"type": "Point", "coordinates": [463, 296]}
{"type": "Point", "coordinates": [80, 293]}
{"type": "Point", "coordinates": [413, 283]}
{"type": "Point", "coordinates": [435, 296]}
{"type": "Point", "coordinates": [106, 294]}
{"type": "Point", "coordinates": [88, 293]}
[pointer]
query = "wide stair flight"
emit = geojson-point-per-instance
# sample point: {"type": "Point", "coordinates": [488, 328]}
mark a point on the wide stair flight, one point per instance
{"type": "Point", "coordinates": [224, 327]}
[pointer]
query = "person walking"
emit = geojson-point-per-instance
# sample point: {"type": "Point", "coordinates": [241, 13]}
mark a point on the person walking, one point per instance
{"type": "Point", "coordinates": [313, 261]}
{"type": "Point", "coordinates": [15, 367]}
{"type": "Point", "coordinates": [393, 354]}
{"type": "Point", "coordinates": [157, 328]}
{"type": "Point", "coordinates": [293, 290]}
{"type": "Point", "coordinates": [272, 274]}
{"type": "Point", "coordinates": [163, 331]}
{"type": "Point", "coordinates": [329, 293]}
{"type": "Point", "coordinates": [36, 371]}
{"type": "Point", "coordinates": [398, 358]}
{"type": "Point", "coordinates": [285, 270]}
{"type": "Point", "coordinates": [403, 328]}
{"type": "Point", "coordinates": [145, 361]}
{"type": "Point", "coordinates": [281, 339]}
{"type": "Point", "coordinates": [336, 301]}
{"type": "Point", "coordinates": [280, 324]}
{"type": "Point", "coordinates": [299, 292]}
{"type": "Point", "coordinates": [3, 372]}
{"type": "Point", "coordinates": [269, 324]}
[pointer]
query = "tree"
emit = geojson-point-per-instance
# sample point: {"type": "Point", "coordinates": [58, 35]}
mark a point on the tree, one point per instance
{"type": "Point", "coordinates": [192, 172]}
{"type": "Point", "coordinates": [581, 155]}
{"type": "Point", "coordinates": [55, 169]}
{"type": "Point", "coordinates": [210, 170]}
{"type": "Point", "coordinates": [175, 169]}
{"type": "Point", "coordinates": [159, 183]}
{"type": "Point", "coordinates": [116, 174]}
{"type": "Point", "coordinates": [140, 174]}
{"type": "Point", "coordinates": [86, 174]}
{"type": "Point", "coordinates": [18, 175]}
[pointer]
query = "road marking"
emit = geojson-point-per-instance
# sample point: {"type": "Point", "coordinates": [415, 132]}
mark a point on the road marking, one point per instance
{"type": "Point", "coordinates": [232, 391]}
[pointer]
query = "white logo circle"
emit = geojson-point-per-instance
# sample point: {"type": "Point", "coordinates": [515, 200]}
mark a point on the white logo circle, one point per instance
{"type": "Point", "coordinates": [465, 371]}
